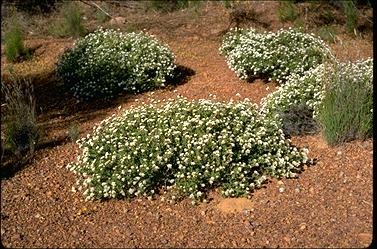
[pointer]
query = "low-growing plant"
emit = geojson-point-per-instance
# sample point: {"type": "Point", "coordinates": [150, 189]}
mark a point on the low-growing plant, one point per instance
{"type": "Point", "coordinates": [74, 131]}
{"type": "Point", "coordinates": [350, 11]}
{"type": "Point", "coordinates": [273, 55]}
{"type": "Point", "coordinates": [227, 3]}
{"type": "Point", "coordinates": [14, 45]}
{"type": "Point", "coordinates": [21, 131]}
{"type": "Point", "coordinates": [346, 112]}
{"type": "Point", "coordinates": [108, 62]}
{"type": "Point", "coordinates": [305, 90]}
{"type": "Point", "coordinates": [71, 22]}
{"type": "Point", "coordinates": [298, 120]}
{"type": "Point", "coordinates": [327, 33]}
{"type": "Point", "coordinates": [171, 5]}
{"type": "Point", "coordinates": [339, 95]}
{"type": "Point", "coordinates": [187, 147]}
{"type": "Point", "coordinates": [287, 11]}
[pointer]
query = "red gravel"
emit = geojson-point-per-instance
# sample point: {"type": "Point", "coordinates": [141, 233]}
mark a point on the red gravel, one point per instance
{"type": "Point", "coordinates": [328, 205]}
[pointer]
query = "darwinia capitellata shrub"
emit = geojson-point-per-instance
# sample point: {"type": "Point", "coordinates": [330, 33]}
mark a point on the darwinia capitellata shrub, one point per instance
{"type": "Point", "coordinates": [107, 62]}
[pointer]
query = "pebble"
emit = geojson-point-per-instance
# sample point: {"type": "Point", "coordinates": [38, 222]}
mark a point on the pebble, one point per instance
{"type": "Point", "coordinates": [339, 153]}
{"type": "Point", "coordinates": [281, 189]}
{"type": "Point", "coordinates": [246, 211]}
{"type": "Point", "coordinates": [2, 231]}
{"type": "Point", "coordinates": [297, 190]}
{"type": "Point", "coordinates": [302, 226]}
{"type": "Point", "coordinates": [203, 212]}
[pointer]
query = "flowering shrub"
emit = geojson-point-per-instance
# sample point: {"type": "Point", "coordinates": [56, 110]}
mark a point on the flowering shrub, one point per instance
{"type": "Point", "coordinates": [187, 147]}
{"type": "Point", "coordinates": [306, 89]}
{"type": "Point", "coordinates": [310, 90]}
{"type": "Point", "coordinates": [273, 55]}
{"type": "Point", "coordinates": [106, 62]}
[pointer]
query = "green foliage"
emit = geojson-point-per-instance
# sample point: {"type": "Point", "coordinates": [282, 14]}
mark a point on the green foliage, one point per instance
{"type": "Point", "coordinates": [107, 62]}
{"type": "Point", "coordinates": [273, 55]}
{"type": "Point", "coordinates": [14, 45]}
{"type": "Point", "coordinates": [102, 17]}
{"type": "Point", "coordinates": [327, 33]}
{"type": "Point", "coordinates": [171, 5]}
{"type": "Point", "coordinates": [287, 11]}
{"type": "Point", "coordinates": [71, 23]}
{"type": "Point", "coordinates": [74, 131]}
{"type": "Point", "coordinates": [304, 91]}
{"type": "Point", "coordinates": [339, 96]}
{"type": "Point", "coordinates": [187, 147]}
{"type": "Point", "coordinates": [350, 11]}
{"type": "Point", "coordinates": [227, 3]}
{"type": "Point", "coordinates": [347, 109]}
{"type": "Point", "coordinates": [21, 132]}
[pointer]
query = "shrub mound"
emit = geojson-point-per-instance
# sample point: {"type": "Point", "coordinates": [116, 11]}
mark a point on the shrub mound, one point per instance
{"type": "Point", "coordinates": [187, 147]}
{"type": "Point", "coordinates": [107, 62]}
{"type": "Point", "coordinates": [272, 55]}
{"type": "Point", "coordinates": [339, 95]}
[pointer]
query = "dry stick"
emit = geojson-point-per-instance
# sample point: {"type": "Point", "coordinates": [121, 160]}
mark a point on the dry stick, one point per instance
{"type": "Point", "coordinates": [93, 4]}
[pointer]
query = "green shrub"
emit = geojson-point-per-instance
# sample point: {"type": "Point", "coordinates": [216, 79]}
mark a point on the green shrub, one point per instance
{"type": "Point", "coordinates": [74, 131]}
{"type": "Point", "coordinates": [346, 111]}
{"type": "Point", "coordinates": [21, 132]}
{"type": "Point", "coordinates": [273, 55]}
{"type": "Point", "coordinates": [107, 62]}
{"type": "Point", "coordinates": [306, 89]}
{"type": "Point", "coordinates": [71, 24]}
{"type": "Point", "coordinates": [339, 95]}
{"type": "Point", "coordinates": [188, 147]}
{"type": "Point", "coordinates": [327, 33]}
{"type": "Point", "coordinates": [14, 45]}
{"type": "Point", "coordinates": [171, 5]}
{"type": "Point", "coordinates": [350, 11]}
{"type": "Point", "coordinates": [287, 11]}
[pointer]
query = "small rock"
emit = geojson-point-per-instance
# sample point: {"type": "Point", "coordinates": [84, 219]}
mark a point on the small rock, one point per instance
{"type": "Point", "coordinates": [280, 182]}
{"type": "Point", "coordinates": [281, 189]}
{"type": "Point", "coordinates": [2, 231]}
{"type": "Point", "coordinates": [16, 237]}
{"type": "Point", "coordinates": [339, 153]}
{"type": "Point", "coordinates": [302, 226]}
{"type": "Point", "coordinates": [287, 239]}
{"type": "Point", "coordinates": [311, 190]}
{"type": "Point", "coordinates": [366, 238]}
{"type": "Point", "coordinates": [246, 211]}
{"type": "Point", "coordinates": [297, 190]}
{"type": "Point", "coordinates": [203, 212]}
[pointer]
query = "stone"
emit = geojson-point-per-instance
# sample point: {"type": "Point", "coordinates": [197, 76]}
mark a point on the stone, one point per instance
{"type": "Point", "coordinates": [234, 205]}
